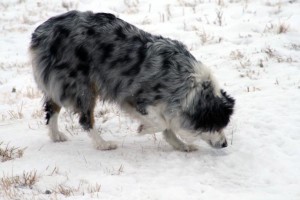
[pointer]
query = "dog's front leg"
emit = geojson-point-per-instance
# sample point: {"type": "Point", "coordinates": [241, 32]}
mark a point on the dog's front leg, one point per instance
{"type": "Point", "coordinates": [176, 143]}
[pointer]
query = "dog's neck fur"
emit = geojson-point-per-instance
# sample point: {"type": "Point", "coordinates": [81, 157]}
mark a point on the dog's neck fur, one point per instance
{"type": "Point", "coordinates": [201, 80]}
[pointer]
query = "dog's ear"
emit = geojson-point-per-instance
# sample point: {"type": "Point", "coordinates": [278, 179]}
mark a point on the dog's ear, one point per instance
{"type": "Point", "coordinates": [211, 113]}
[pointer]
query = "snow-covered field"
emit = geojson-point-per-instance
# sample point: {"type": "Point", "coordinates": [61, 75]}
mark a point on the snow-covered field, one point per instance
{"type": "Point", "coordinates": [252, 46]}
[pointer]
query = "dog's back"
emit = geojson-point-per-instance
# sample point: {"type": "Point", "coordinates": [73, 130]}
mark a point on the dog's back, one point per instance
{"type": "Point", "coordinates": [77, 52]}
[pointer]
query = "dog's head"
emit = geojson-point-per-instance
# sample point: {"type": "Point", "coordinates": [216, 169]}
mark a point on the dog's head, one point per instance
{"type": "Point", "coordinates": [208, 110]}
{"type": "Point", "coordinates": [211, 113]}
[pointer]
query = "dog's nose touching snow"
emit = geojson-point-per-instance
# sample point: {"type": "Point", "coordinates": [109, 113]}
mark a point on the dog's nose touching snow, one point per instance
{"type": "Point", "coordinates": [224, 144]}
{"type": "Point", "coordinates": [219, 145]}
{"type": "Point", "coordinates": [215, 139]}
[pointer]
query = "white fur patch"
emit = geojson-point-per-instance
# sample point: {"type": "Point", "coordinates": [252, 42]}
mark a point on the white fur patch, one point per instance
{"type": "Point", "coordinates": [200, 75]}
{"type": "Point", "coordinates": [99, 142]}
{"type": "Point", "coordinates": [54, 133]}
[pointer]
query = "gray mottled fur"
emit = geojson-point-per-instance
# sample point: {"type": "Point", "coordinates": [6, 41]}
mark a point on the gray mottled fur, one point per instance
{"type": "Point", "coordinates": [79, 56]}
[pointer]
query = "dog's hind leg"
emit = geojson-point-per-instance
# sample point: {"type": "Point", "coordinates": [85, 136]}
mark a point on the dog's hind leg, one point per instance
{"type": "Point", "coordinates": [87, 120]}
{"type": "Point", "coordinates": [176, 143]}
{"type": "Point", "coordinates": [52, 111]}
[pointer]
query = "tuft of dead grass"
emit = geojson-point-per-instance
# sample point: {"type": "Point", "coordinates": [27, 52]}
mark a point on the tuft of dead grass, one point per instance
{"type": "Point", "coordinates": [283, 28]}
{"type": "Point", "coordinates": [131, 6]}
{"type": "Point", "coordinates": [219, 20]}
{"type": "Point", "coordinates": [280, 28]}
{"type": "Point", "coordinates": [84, 189]}
{"type": "Point", "coordinates": [10, 184]}
{"type": "Point", "coordinates": [205, 37]}
{"type": "Point", "coordinates": [273, 54]}
{"type": "Point", "coordinates": [66, 190]}
{"type": "Point", "coordinates": [16, 114]}
{"type": "Point", "coordinates": [10, 152]}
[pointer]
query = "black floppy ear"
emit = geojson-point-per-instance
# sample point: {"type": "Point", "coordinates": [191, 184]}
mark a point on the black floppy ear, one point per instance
{"type": "Point", "coordinates": [229, 100]}
{"type": "Point", "coordinates": [212, 113]}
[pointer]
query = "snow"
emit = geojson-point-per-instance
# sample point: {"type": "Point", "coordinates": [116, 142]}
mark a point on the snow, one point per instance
{"type": "Point", "coordinates": [252, 61]}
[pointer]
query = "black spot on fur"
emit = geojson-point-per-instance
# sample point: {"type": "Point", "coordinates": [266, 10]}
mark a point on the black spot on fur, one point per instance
{"type": "Point", "coordinates": [136, 68]}
{"type": "Point", "coordinates": [107, 50]}
{"type": "Point", "coordinates": [166, 63]}
{"type": "Point", "coordinates": [73, 74]}
{"type": "Point", "coordinates": [126, 59]}
{"type": "Point", "coordinates": [61, 66]}
{"type": "Point", "coordinates": [82, 53]}
{"type": "Point", "coordinates": [60, 33]}
{"type": "Point", "coordinates": [119, 32]}
{"type": "Point", "coordinates": [84, 68]}
{"type": "Point", "coordinates": [157, 87]}
{"type": "Point", "coordinates": [54, 46]}
{"type": "Point", "coordinates": [157, 97]}
{"type": "Point", "coordinates": [121, 61]}
{"type": "Point", "coordinates": [139, 92]}
{"type": "Point", "coordinates": [90, 31]}
{"type": "Point", "coordinates": [136, 39]}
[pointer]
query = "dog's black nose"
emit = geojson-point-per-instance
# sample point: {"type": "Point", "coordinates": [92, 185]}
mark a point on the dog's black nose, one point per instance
{"type": "Point", "coordinates": [224, 144]}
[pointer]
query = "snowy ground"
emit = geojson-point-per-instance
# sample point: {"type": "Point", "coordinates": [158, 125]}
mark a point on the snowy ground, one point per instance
{"type": "Point", "coordinates": [253, 47]}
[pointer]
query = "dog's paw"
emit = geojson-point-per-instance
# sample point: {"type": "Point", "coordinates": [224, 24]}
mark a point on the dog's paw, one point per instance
{"type": "Point", "coordinates": [58, 136]}
{"type": "Point", "coordinates": [188, 148]}
{"type": "Point", "coordinates": [108, 145]}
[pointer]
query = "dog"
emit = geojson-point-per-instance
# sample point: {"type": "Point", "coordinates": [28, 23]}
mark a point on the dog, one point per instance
{"type": "Point", "coordinates": [80, 56]}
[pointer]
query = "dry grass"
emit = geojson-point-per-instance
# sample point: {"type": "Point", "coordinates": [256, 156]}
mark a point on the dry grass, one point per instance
{"type": "Point", "coordinates": [32, 93]}
{"type": "Point", "coordinates": [236, 55]}
{"type": "Point", "coordinates": [205, 37]}
{"type": "Point", "coordinates": [269, 51]}
{"type": "Point", "coordinates": [66, 190]}
{"type": "Point", "coordinates": [14, 187]}
{"type": "Point", "coordinates": [18, 114]}
{"type": "Point", "coordinates": [10, 185]}
{"type": "Point", "coordinates": [273, 54]}
{"type": "Point", "coordinates": [132, 6]}
{"type": "Point", "coordinates": [69, 5]}
{"type": "Point", "coordinates": [293, 46]}
{"type": "Point", "coordinates": [82, 189]}
{"type": "Point", "coordinates": [283, 28]}
{"type": "Point", "coordinates": [219, 20]}
{"type": "Point", "coordinates": [38, 114]}
{"type": "Point", "coordinates": [10, 152]}
{"type": "Point", "coordinates": [252, 89]}
{"type": "Point", "coordinates": [280, 28]}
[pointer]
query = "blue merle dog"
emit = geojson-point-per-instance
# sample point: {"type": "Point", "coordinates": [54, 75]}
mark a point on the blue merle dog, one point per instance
{"type": "Point", "coordinates": [80, 56]}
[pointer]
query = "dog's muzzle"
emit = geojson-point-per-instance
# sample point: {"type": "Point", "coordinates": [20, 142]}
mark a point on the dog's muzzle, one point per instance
{"type": "Point", "coordinates": [219, 145]}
